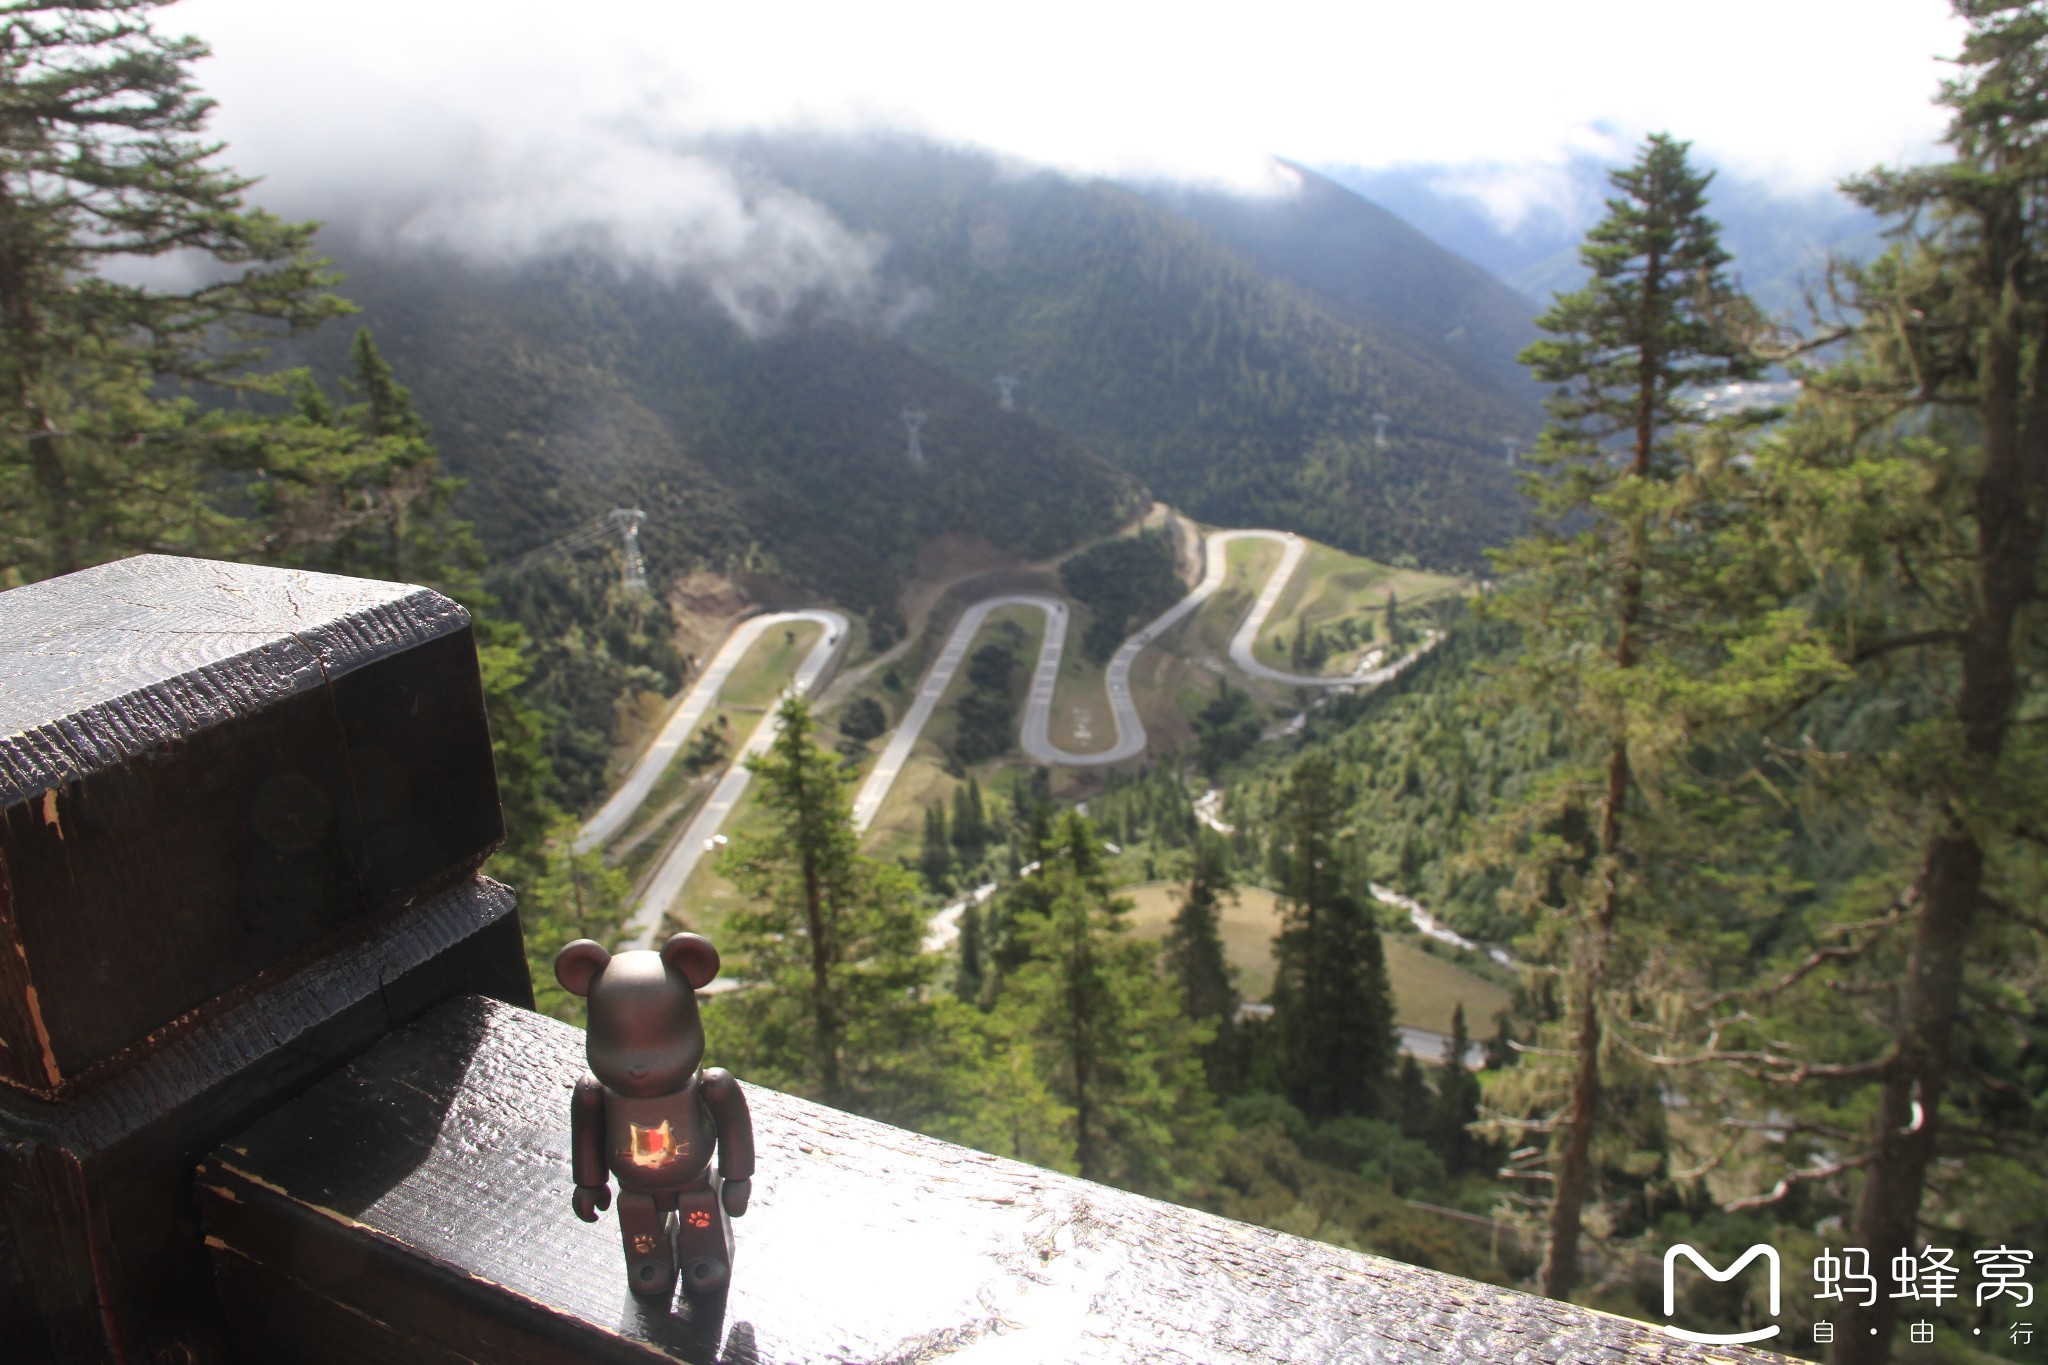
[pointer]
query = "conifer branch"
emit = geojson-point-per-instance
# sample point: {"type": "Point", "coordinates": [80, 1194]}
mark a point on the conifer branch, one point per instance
{"type": "Point", "coordinates": [1865, 653]}
{"type": "Point", "coordinates": [2005, 910]}
{"type": "Point", "coordinates": [1899, 912]}
{"type": "Point", "coordinates": [1783, 1129]}
{"type": "Point", "coordinates": [1785, 1186]}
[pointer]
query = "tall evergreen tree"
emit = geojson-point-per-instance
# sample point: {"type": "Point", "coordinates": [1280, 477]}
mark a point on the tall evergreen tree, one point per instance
{"type": "Point", "coordinates": [970, 820]}
{"type": "Point", "coordinates": [101, 160]}
{"type": "Point", "coordinates": [1332, 1007]}
{"type": "Point", "coordinates": [969, 977]}
{"type": "Point", "coordinates": [1590, 590]}
{"type": "Point", "coordinates": [1194, 954]}
{"type": "Point", "coordinates": [935, 861]}
{"type": "Point", "coordinates": [1413, 1105]}
{"type": "Point", "coordinates": [1903, 515]}
{"type": "Point", "coordinates": [1106, 1033]}
{"type": "Point", "coordinates": [1982, 282]}
{"type": "Point", "coordinates": [1457, 1101]}
{"type": "Point", "coordinates": [840, 1008]}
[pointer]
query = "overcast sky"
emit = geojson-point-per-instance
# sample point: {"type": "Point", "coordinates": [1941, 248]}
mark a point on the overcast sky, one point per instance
{"type": "Point", "coordinates": [1798, 92]}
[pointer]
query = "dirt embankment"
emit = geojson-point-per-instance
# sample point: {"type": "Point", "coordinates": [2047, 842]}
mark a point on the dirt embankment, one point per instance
{"type": "Point", "coordinates": [705, 605]}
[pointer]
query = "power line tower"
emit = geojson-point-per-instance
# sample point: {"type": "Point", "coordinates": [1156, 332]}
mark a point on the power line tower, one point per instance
{"type": "Point", "coordinates": [1006, 390]}
{"type": "Point", "coordinates": [621, 524]}
{"type": "Point", "coordinates": [627, 520]}
{"type": "Point", "coordinates": [1379, 429]}
{"type": "Point", "coordinates": [1509, 444]}
{"type": "Point", "coordinates": [913, 420]}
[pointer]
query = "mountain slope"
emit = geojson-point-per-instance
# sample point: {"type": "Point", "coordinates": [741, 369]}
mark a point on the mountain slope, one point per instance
{"type": "Point", "coordinates": [1238, 396]}
{"type": "Point", "coordinates": [1372, 268]}
{"type": "Point", "coordinates": [562, 387]}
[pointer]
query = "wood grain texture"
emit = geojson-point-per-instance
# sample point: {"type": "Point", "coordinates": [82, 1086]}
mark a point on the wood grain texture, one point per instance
{"type": "Point", "coordinates": [421, 1197]}
{"type": "Point", "coordinates": [207, 771]}
{"type": "Point", "coordinates": [107, 664]}
{"type": "Point", "coordinates": [105, 1253]}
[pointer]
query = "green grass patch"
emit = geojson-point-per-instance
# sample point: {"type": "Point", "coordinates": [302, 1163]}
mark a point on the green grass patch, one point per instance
{"type": "Point", "coordinates": [1426, 989]}
{"type": "Point", "coordinates": [1080, 699]}
{"type": "Point", "coordinates": [770, 664]}
{"type": "Point", "coordinates": [1246, 565]}
{"type": "Point", "coordinates": [898, 830]}
{"type": "Point", "coordinates": [1329, 586]}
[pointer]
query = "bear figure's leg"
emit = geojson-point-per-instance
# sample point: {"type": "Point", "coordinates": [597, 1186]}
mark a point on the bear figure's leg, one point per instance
{"type": "Point", "coordinates": [650, 1256]}
{"type": "Point", "coordinates": [703, 1239]}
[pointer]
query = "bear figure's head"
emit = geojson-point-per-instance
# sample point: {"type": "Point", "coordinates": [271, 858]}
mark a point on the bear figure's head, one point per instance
{"type": "Point", "coordinates": [645, 1036]}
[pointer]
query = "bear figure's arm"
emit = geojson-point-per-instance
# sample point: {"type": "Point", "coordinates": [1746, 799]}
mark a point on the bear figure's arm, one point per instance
{"type": "Point", "coordinates": [586, 1149]}
{"type": "Point", "coordinates": [735, 1136]}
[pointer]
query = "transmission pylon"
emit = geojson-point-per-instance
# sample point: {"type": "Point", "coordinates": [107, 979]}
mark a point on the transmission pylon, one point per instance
{"type": "Point", "coordinates": [1006, 390]}
{"type": "Point", "coordinates": [1379, 429]}
{"type": "Point", "coordinates": [621, 524]}
{"type": "Point", "coordinates": [913, 419]}
{"type": "Point", "coordinates": [627, 520]}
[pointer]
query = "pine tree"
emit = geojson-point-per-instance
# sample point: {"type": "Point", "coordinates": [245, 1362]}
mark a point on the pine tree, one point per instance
{"type": "Point", "coordinates": [1457, 1102]}
{"type": "Point", "coordinates": [833, 940]}
{"type": "Point", "coordinates": [1905, 512]}
{"type": "Point", "coordinates": [936, 860]}
{"type": "Point", "coordinates": [102, 158]}
{"type": "Point", "coordinates": [1413, 1106]}
{"type": "Point", "coordinates": [970, 821]}
{"type": "Point", "coordinates": [968, 977]}
{"type": "Point", "coordinates": [1195, 960]}
{"type": "Point", "coordinates": [1332, 1007]}
{"type": "Point", "coordinates": [1104, 1029]}
{"type": "Point", "coordinates": [1982, 284]}
{"type": "Point", "coordinates": [1591, 589]}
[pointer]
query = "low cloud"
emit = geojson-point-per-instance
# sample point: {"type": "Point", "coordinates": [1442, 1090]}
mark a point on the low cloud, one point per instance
{"type": "Point", "coordinates": [1532, 197]}
{"type": "Point", "coordinates": [758, 248]}
{"type": "Point", "coordinates": [398, 169]}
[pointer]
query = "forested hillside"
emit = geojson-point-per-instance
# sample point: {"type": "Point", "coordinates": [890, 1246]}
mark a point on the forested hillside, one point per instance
{"type": "Point", "coordinates": [1237, 396]}
{"type": "Point", "coordinates": [564, 387]}
{"type": "Point", "coordinates": [1374, 269]}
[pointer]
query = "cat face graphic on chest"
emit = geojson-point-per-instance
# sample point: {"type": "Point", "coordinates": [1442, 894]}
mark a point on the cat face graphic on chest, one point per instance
{"type": "Point", "coordinates": [651, 1146]}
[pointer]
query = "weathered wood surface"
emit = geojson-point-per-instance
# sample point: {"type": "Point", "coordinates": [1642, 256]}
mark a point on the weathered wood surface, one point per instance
{"type": "Point", "coordinates": [206, 771]}
{"type": "Point", "coordinates": [416, 1206]}
{"type": "Point", "coordinates": [103, 1257]}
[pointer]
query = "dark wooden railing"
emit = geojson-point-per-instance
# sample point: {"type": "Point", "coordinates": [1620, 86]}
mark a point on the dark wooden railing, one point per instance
{"type": "Point", "coordinates": [269, 1089]}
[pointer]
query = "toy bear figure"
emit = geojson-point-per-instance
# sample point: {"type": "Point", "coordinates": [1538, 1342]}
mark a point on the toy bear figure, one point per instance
{"type": "Point", "coordinates": [647, 1114]}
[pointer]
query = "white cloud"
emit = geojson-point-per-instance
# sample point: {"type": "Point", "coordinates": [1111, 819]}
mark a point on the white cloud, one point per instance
{"type": "Point", "coordinates": [509, 126]}
{"type": "Point", "coordinates": [759, 249]}
{"type": "Point", "coordinates": [1801, 92]}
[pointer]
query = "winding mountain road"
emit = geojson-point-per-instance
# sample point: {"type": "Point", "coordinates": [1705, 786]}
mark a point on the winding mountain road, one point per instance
{"type": "Point", "coordinates": [683, 855]}
{"type": "Point", "coordinates": [1036, 732]}
{"type": "Point", "coordinates": [1292, 548]}
{"type": "Point", "coordinates": [1036, 738]}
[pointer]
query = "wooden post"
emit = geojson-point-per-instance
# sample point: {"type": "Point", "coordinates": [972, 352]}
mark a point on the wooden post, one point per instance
{"type": "Point", "coordinates": [241, 815]}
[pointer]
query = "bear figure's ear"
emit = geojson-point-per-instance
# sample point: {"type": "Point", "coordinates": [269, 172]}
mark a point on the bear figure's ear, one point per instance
{"type": "Point", "coordinates": [693, 956]}
{"type": "Point", "coordinates": [578, 964]}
